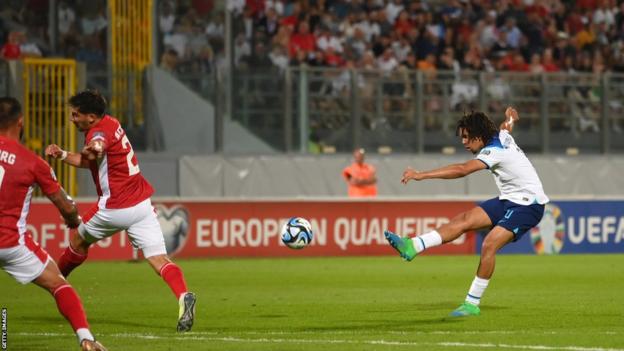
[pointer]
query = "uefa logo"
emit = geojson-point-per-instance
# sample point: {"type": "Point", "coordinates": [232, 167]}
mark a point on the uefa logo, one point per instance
{"type": "Point", "coordinates": [549, 235]}
{"type": "Point", "coordinates": [174, 224]}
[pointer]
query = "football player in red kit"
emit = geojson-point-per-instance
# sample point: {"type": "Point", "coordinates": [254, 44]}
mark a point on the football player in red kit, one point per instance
{"type": "Point", "coordinates": [20, 256]}
{"type": "Point", "coordinates": [124, 198]}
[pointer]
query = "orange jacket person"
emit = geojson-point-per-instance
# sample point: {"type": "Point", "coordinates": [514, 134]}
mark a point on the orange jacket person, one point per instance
{"type": "Point", "coordinates": [360, 176]}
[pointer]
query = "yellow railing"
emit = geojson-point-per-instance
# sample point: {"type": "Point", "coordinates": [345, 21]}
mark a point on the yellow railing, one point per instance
{"type": "Point", "coordinates": [131, 51]}
{"type": "Point", "coordinates": [48, 85]}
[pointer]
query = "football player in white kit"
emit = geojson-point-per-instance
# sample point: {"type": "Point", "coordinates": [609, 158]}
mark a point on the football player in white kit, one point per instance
{"type": "Point", "coordinates": [519, 207]}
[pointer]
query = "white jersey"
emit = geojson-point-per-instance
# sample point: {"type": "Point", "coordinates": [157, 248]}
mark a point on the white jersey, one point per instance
{"type": "Point", "coordinates": [514, 174]}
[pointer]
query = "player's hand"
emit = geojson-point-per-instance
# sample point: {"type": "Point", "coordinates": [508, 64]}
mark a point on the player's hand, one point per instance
{"type": "Point", "coordinates": [93, 150]}
{"type": "Point", "coordinates": [410, 174]}
{"type": "Point", "coordinates": [73, 222]}
{"type": "Point", "coordinates": [53, 151]}
{"type": "Point", "coordinates": [511, 115]}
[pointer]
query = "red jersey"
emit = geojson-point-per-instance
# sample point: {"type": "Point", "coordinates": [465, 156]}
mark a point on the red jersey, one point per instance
{"type": "Point", "coordinates": [20, 170]}
{"type": "Point", "coordinates": [11, 51]}
{"type": "Point", "coordinates": [117, 177]}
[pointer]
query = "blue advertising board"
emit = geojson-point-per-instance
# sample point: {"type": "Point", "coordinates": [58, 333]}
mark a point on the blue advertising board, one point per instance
{"type": "Point", "coordinates": [573, 227]}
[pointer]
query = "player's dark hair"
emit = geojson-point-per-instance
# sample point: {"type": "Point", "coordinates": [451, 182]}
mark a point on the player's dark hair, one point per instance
{"type": "Point", "coordinates": [10, 111]}
{"type": "Point", "coordinates": [477, 125]}
{"type": "Point", "coordinates": [89, 101]}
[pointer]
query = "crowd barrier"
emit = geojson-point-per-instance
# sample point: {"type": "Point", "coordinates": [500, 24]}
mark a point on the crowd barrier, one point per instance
{"type": "Point", "coordinates": [341, 228]}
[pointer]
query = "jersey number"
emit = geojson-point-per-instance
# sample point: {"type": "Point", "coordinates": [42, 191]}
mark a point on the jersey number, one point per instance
{"type": "Point", "coordinates": [1, 175]}
{"type": "Point", "coordinates": [132, 168]}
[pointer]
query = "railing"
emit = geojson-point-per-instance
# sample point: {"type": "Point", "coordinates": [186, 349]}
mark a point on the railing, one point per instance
{"type": "Point", "coordinates": [306, 109]}
{"type": "Point", "coordinates": [48, 84]}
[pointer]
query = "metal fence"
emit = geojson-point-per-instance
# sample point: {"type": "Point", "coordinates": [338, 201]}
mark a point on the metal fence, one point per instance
{"type": "Point", "coordinates": [306, 109]}
{"type": "Point", "coordinates": [48, 84]}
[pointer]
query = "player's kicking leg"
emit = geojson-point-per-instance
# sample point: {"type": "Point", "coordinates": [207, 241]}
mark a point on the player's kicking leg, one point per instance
{"type": "Point", "coordinates": [69, 305]}
{"type": "Point", "coordinates": [408, 248]}
{"type": "Point", "coordinates": [173, 276]}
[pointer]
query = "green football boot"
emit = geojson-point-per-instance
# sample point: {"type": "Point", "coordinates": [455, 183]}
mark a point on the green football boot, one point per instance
{"type": "Point", "coordinates": [187, 312]}
{"type": "Point", "coordinates": [466, 309]}
{"type": "Point", "coordinates": [404, 246]}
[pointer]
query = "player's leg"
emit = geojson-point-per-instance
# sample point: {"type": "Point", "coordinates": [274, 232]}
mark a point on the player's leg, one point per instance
{"type": "Point", "coordinates": [69, 305]}
{"type": "Point", "coordinates": [494, 241]}
{"type": "Point", "coordinates": [174, 277]}
{"type": "Point", "coordinates": [78, 250]}
{"type": "Point", "coordinates": [408, 248]}
{"type": "Point", "coordinates": [30, 263]}
{"type": "Point", "coordinates": [146, 235]}
{"type": "Point", "coordinates": [512, 221]}
{"type": "Point", "coordinates": [75, 254]}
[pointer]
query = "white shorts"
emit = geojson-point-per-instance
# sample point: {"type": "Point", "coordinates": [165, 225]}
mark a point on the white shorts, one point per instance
{"type": "Point", "coordinates": [24, 262]}
{"type": "Point", "coordinates": [140, 221]}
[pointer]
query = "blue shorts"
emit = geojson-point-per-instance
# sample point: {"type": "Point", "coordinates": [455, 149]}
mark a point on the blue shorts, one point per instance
{"type": "Point", "coordinates": [518, 219]}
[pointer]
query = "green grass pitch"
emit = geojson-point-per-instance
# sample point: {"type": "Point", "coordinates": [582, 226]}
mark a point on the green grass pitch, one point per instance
{"type": "Point", "coordinates": [363, 303]}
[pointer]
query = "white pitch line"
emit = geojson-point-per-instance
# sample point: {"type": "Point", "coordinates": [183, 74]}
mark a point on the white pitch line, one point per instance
{"type": "Point", "coordinates": [339, 341]}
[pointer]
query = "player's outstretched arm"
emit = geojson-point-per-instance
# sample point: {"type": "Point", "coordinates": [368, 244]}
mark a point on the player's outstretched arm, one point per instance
{"type": "Point", "coordinates": [511, 117]}
{"type": "Point", "coordinates": [66, 206]}
{"type": "Point", "coordinates": [453, 171]}
{"type": "Point", "coordinates": [71, 158]}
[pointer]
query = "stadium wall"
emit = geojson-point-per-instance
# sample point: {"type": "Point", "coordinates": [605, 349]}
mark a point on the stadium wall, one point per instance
{"type": "Point", "coordinates": [302, 176]}
{"type": "Point", "coordinates": [251, 228]}
{"type": "Point", "coordinates": [181, 121]}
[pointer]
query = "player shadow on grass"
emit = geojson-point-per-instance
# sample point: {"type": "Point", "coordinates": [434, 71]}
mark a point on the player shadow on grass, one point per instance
{"type": "Point", "coordinates": [380, 324]}
{"type": "Point", "coordinates": [149, 324]}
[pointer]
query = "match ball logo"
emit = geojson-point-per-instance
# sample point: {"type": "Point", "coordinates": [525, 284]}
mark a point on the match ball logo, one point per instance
{"type": "Point", "coordinates": [174, 223]}
{"type": "Point", "coordinates": [548, 236]}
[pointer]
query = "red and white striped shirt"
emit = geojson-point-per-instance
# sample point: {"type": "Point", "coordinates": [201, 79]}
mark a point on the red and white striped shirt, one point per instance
{"type": "Point", "coordinates": [117, 177]}
{"type": "Point", "coordinates": [20, 170]}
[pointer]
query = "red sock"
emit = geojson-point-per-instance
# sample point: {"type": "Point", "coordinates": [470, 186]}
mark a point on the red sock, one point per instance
{"type": "Point", "coordinates": [69, 260]}
{"type": "Point", "coordinates": [173, 276]}
{"type": "Point", "coordinates": [70, 306]}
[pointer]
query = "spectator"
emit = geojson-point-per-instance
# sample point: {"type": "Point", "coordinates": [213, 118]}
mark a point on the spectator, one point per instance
{"type": "Point", "coordinates": [512, 32]}
{"type": "Point", "coordinates": [166, 20]}
{"type": "Point", "coordinates": [302, 41]}
{"type": "Point", "coordinates": [393, 9]}
{"type": "Point", "coordinates": [66, 18]}
{"type": "Point", "coordinates": [269, 23]}
{"type": "Point", "coordinates": [361, 177]}
{"type": "Point", "coordinates": [11, 49]}
{"type": "Point", "coordinates": [28, 48]}
{"type": "Point", "coordinates": [169, 60]}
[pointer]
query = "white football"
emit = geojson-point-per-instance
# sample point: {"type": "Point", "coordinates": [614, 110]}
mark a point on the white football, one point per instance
{"type": "Point", "coordinates": [297, 233]}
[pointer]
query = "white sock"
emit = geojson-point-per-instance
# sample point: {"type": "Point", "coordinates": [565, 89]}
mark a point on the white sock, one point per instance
{"type": "Point", "coordinates": [427, 240]}
{"type": "Point", "coordinates": [477, 288]}
{"type": "Point", "coordinates": [84, 333]}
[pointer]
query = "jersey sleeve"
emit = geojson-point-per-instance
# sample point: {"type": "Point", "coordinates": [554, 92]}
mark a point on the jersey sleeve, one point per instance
{"type": "Point", "coordinates": [45, 177]}
{"type": "Point", "coordinates": [99, 135]}
{"type": "Point", "coordinates": [491, 156]}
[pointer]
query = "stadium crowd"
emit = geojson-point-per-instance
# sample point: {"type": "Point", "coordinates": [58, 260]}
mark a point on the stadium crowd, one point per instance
{"type": "Point", "coordinates": [388, 36]}
{"type": "Point", "coordinates": [80, 32]}
{"type": "Point", "coordinates": [510, 35]}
